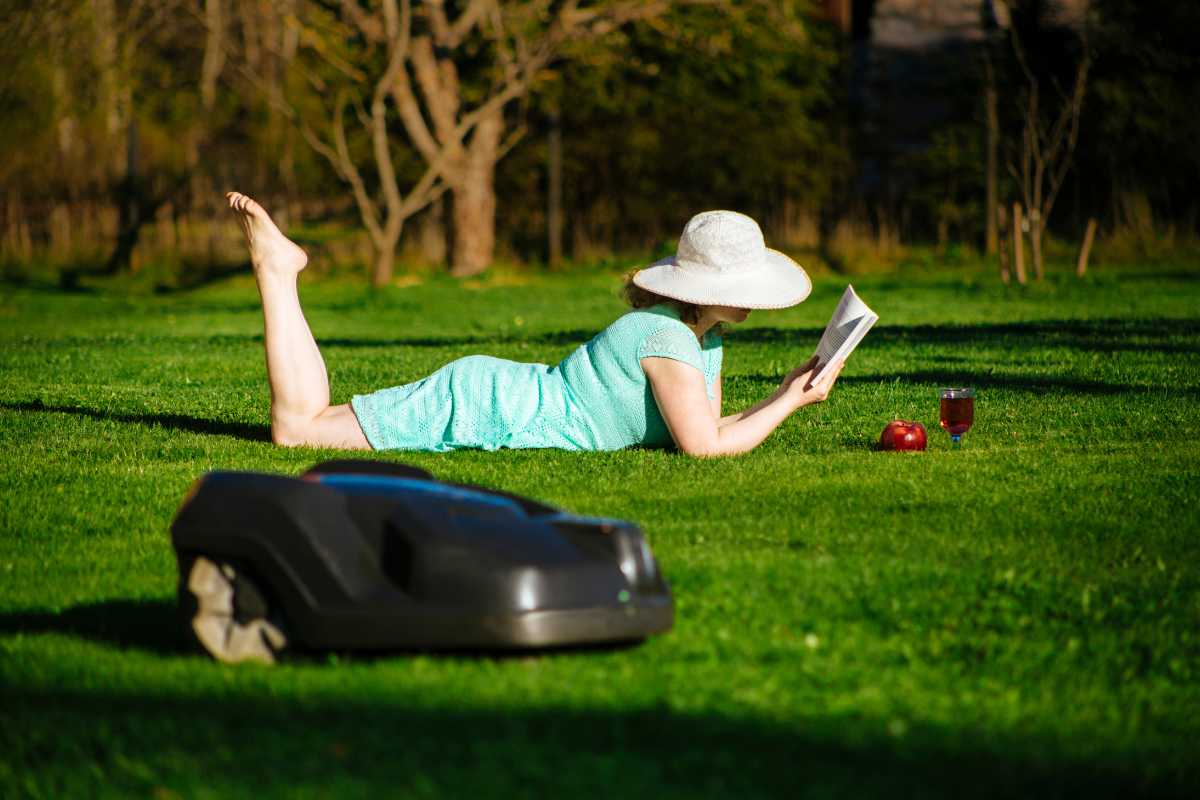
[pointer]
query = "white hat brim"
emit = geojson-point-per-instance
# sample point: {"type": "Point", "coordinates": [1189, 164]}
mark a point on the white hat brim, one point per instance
{"type": "Point", "coordinates": [777, 282]}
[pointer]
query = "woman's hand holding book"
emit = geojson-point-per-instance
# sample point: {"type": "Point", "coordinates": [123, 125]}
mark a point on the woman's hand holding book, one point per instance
{"type": "Point", "coordinates": [798, 385]}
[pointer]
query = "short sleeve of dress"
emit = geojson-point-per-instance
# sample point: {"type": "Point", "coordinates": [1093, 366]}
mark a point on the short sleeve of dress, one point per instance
{"type": "Point", "coordinates": [677, 343]}
{"type": "Point", "coordinates": [713, 352]}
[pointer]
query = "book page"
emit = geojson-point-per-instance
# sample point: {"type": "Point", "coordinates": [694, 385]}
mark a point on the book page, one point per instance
{"type": "Point", "coordinates": [849, 324]}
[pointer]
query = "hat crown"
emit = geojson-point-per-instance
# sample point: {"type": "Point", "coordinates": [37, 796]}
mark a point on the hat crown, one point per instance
{"type": "Point", "coordinates": [722, 242]}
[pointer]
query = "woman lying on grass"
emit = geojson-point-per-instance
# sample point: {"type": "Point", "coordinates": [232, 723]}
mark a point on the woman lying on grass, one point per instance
{"type": "Point", "coordinates": [651, 377]}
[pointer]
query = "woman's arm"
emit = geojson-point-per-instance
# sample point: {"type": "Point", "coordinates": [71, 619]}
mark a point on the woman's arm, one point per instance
{"type": "Point", "coordinates": [679, 391]}
{"type": "Point", "coordinates": [799, 371]}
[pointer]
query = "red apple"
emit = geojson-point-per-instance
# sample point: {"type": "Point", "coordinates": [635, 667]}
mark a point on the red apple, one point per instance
{"type": "Point", "coordinates": [900, 434]}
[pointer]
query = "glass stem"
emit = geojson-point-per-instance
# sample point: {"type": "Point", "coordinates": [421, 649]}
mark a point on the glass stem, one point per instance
{"type": "Point", "coordinates": [956, 440]}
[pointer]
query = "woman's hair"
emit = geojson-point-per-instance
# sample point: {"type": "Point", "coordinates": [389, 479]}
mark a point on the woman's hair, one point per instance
{"type": "Point", "coordinates": [637, 297]}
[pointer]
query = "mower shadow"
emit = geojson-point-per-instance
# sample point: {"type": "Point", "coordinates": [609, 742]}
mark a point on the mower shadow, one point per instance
{"type": "Point", "coordinates": [151, 625]}
{"type": "Point", "coordinates": [177, 422]}
{"type": "Point", "coordinates": [396, 744]}
{"type": "Point", "coordinates": [156, 626]}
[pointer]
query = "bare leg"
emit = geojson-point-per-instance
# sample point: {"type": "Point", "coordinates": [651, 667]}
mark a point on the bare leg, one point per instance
{"type": "Point", "coordinates": [300, 410]}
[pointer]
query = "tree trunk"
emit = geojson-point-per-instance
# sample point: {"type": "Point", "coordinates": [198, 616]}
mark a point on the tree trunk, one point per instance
{"type": "Point", "coordinates": [475, 200]}
{"type": "Point", "coordinates": [383, 259]}
{"type": "Point", "coordinates": [554, 209]}
{"type": "Point", "coordinates": [104, 18]}
{"type": "Point", "coordinates": [1086, 250]}
{"type": "Point", "coordinates": [993, 146]}
{"type": "Point", "coordinates": [129, 204]}
{"type": "Point", "coordinates": [1035, 243]}
{"type": "Point", "coordinates": [214, 52]}
{"type": "Point", "coordinates": [290, 42]}
{"type": "Point", "coordinates": [1018, 244]}
{"type": "Point", "coordinates": [432, 236]}
{"type": "Point", "coordinates": [1001, 223]}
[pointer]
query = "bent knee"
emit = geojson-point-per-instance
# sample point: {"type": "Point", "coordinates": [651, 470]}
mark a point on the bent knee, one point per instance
{"type": "Point", "coordinates": [336, 426]}
{"type": "Point", "coordinates": [291, 431]}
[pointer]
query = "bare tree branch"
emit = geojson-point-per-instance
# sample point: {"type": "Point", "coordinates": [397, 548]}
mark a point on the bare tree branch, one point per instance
{"type": "Point", "coordinates": [451, 34]}
{"type": "Point", "coordinates": [409, 110]}
{"type": "Point", "coordinates": [367, 24]}
{"type": "Point", "coordinates": [350, 172]}
{"type": "Point", "coordinates": [442, 105]}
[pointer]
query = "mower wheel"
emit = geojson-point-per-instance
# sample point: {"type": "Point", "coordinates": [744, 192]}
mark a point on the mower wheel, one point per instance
{"type": "Point", "coordinates": [232, 619]}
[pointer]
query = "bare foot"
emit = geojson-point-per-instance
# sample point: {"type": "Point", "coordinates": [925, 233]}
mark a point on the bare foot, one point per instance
{"type": "Point", "coordinates": [271, 252]}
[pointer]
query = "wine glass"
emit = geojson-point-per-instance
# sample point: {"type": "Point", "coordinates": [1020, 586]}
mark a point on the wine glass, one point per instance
{"type": "Point", "coordinates": [958, 412]}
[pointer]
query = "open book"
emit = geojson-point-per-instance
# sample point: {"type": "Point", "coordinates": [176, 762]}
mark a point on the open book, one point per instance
{"type": "Point", "coordinates": [850, 322]}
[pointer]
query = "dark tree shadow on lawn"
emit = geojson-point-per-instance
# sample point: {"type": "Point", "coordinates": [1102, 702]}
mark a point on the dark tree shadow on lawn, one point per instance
{"type": "Point", "coordinates": [1100, 335]}
{"type": "Point", "coordinates": [577, 336]}
{"type": "Point", "coordinates": [197, 275]}
{"type": "Point", "coordinates": [19, 280]}
{"type": "Point", "coordinates": [178, 422]}
{"type": "Point", "coordinates": [393, 744]}
{"type": "Point", "coordinates": [983, 381]}
{"type": "Point", "coordinates": [1037, 385]}
{"type": "Point", "coordinates": [247, 741]}
{"type": "Point", "coordinates": [1167, 274]}
{"type": "Point", "coordinates": [1097, 335]}
{"type": "Point", "coordinates": [1104, 335]}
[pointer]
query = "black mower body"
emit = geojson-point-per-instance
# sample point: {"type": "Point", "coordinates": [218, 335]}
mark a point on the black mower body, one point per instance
{"type": "Point", "coordinates": [365, 555]}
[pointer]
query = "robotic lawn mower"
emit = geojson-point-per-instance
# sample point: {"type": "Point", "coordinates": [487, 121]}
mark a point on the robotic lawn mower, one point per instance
{"type": "Point", "coordinates": [362, 555]}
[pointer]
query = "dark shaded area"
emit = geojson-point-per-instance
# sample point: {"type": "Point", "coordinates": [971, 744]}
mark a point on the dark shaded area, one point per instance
{"type": "Point", "coordinates": [151, 625]}
{"type": "Point", "coordinates": [1037, 385]}
{"type": "Point", "coordinates": [1097, 335]}
{"type": "Point", "coordinates": [1150, 276]}
{"type": "Point", "coordinates": [14, 279]}
{"type": "Point", "coordinates": [279, 746]}
{"type": "Point", "coordinates": [282, 744]}
{"type": "Point", "coordinates": [160, 626]}
{"type": "Point", "coordinates": [197, 276]}
{"type": "Point", "coordinates": [577, 336]}
{"type": "Point", "coordinates": [190, 275]}
{"type": "Point", "coordinates": [990, 380]}
{"type": "Point", "coordinates": [177, 422]}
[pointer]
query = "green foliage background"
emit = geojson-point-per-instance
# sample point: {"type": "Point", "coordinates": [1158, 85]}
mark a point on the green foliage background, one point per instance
{"type": "Point", "coordinates": [747, 105]}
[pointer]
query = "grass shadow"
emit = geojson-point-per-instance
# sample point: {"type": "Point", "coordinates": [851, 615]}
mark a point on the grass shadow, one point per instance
{"type": "Point", "coordinates": [577, 336]}
{"type": "Point", "coordinates": [195, 276]}
{"type": "Point", "coordinates": [157, 626]}
{"type": "Point", "coordinates": [1103, 335]}
{"type": "Point", "coordinates": [394, 744]}
{"type": "Point", "coordinates": [177, 422]}
{"type": "Point", "coordinates": [1098, 335]}
{"type": "Point", "coordinates": [44, 284]}
{"type": "Point", "coordinates": [151, 625]}
{"type": "Point", "coordinates": [1033, 384]}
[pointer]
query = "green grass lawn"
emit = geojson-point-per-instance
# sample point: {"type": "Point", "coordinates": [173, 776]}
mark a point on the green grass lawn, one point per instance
{"type": "Point", "coordinates": [1021, 617]}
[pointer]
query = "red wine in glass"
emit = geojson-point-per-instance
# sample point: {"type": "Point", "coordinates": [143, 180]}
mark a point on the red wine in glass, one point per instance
{"type": "Point", "coordinates": [958, 412]}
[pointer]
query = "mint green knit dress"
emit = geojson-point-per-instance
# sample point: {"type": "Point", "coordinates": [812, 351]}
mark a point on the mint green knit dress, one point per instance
{"type": "Point", "coordinates": [597, 398]}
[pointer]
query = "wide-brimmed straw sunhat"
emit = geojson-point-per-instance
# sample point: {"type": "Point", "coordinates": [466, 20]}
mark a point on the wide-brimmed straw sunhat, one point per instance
{"type": "Point", "coordinates": [722, 260]}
